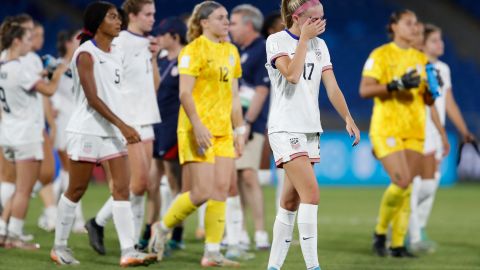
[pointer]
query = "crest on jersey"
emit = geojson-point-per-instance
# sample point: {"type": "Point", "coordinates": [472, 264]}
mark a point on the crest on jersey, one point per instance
{"type": "Point", "coordinates": [244, 58]}
{"type": "Point", "coordinates": [231, 59]}
{"type": "Point", "coordinates": [294, 142]}
{"type": "Point", "coordinates": [318, 53]}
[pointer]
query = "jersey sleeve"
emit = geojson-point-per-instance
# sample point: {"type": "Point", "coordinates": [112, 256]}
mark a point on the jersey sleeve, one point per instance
{"type": "Point", "coordinates": [190, 61]}
{"type": "Point", "coordinates": [28, 80]}
{"type": "Point", "coordinates": [237, 70]}
{"type": "Point", "coordinates": [326, 62]}
{"type": "Point", "coordinates": [275, 49]}
{"type": "Point", "coordinates": [374, 66]}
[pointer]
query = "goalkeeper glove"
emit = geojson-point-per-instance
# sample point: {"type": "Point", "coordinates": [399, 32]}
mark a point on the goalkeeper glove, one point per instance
{"type": "Point", "coordinates": [408, 81]}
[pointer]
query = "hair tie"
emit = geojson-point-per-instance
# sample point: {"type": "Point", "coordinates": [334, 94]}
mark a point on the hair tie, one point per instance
{"type": "Point", "coordinates": [305, 6]}
{"type": "Point", "coordinates": [85, 32]}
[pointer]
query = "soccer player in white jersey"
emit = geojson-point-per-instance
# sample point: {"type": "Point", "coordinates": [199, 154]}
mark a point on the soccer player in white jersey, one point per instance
{"type": "Point", "coordinates": [425, 186]}
{"type": "Point", "coordinates": [22, 125]}
{"type": "Point", "coordinates": [140, 110]}
{"type": "Point", "coordinates": [63, 102]}
{"type": "Point", "coordinates": [96, 133]}
{"type": "Point", "coordinates": [297, 60]}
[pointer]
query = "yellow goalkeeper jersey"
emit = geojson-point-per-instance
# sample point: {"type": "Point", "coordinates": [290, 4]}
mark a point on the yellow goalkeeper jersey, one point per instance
{"type": "Point", "coordinates": [401, 113]}
{"type": "Point", "coordinates": [214, 65]}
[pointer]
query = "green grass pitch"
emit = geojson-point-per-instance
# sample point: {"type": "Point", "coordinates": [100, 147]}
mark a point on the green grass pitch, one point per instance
{"type": "Point", "coordinates": [346, 221]}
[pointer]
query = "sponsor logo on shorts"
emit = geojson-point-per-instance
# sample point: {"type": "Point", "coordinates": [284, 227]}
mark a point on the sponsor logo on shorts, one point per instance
{"type": "Point", "coordinates": [294, 142]}
{"type": "Point", "coordinates": [87, 147]}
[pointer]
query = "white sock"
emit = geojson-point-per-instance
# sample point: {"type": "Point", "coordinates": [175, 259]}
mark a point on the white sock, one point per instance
{"type": "Point", "coordinates": [427, 197]}
{"type": "Point", "coordinates": [65, 218]}
{"type": "Point", "coordinates": [105, 213]}
{"type": "Point", "coordinates": [234, 220]}
{"type": "Point", "coordinates": [201, 216]}
{"type": "Point", "coordinates": [280, 180]}
{"type": "Point", "coordinates": [15, 227]}
{"type": "Point", "coordinates": [166, 196]}
{"type": "Point", "coordinates": [79, 213]}
{"type": "Point", "coordinates": [138, 210]}
{"type": "Point", "coordinates": [123, 220]}
{"type": "Point", "coordinates": [51, 213]}
{"type": "Point", "coordinates": [213, 248]}
{"type": "Point", "coordinates": [414, 229]}
{"type": "Point", "coordinates": [37, 187]}
{"type": "Point", "coordinates": [3, 227]}
{"type": "Point", "coordinates": [307, 232]}
{"type": "Point", "coordinates": [282, 237]}
{"type": "Point", "coordinates": [57, 187]}
{"type": "Point", "coordinates": [6, 191]}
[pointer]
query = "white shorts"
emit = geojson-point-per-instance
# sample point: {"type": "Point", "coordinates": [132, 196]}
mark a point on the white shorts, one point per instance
{"type": "Point", "coordinates": [287, 146]}
{"type": "Point", "coordinates": [60, 142]}
{"type": "Point", "coordinates": [26, 152]}
{"type": "Point", "coordinates": [94, 149]}
{"type": "Point", "coordinates": [433, 145]}
{"type": "Point", "coordinates": [252, 153]}
{"type": "Point", "coordinates": [146, 132]}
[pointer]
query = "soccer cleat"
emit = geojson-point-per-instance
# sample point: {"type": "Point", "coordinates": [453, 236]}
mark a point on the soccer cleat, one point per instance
{"type": "Point", "coordinates": [401, 252]}
{"type": "Point", "coordinates": [45, 223]}
{"type": "Point", "coordinates": [135, 258]}
{"type": "Point", "coordinates": [236, 253]}
{"type": "Point", "coordinates": [423, 246]}
{"type": "Point", "coordinates": [63, 256]}
{"type": "Point", "coordinates": [79, 227]}
{"type": "Point", "coordinates": [176, 245]}
{"type": "Point", "coordinates": [379, 245]}
{"type": "Point", "coordinates": [216, 259]}
{"type": "Point", "coordinates": [95, 236]}
{"type": "Point", "coordinates": [261, 240]}
{"type": "Point", "coordinates": [157, 241]}
{"type": "Point", "coordinates": [18, 243]}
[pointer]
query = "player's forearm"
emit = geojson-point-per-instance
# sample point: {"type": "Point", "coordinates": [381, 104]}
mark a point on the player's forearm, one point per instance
{"type": "Point", "coordinates": [369, 88]}
{"type": "Point", "coordinates": [156, 73]}
{"type": "Point", "coordinates": [47, 108]}
{"type": "Point", "coordinates": [296, 65]}
{"type": "Point", "coordinates": [256, 106]}
{"type": "Point", "coordinates": [436, 120]}
{"type": "Point", "coordinates": [188, 104]}
{"type": "Point", "coordinates": [455, 115]}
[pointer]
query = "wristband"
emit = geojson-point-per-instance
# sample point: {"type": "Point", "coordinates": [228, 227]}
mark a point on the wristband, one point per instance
{"type": "Point", "coordinates": [241, 130]}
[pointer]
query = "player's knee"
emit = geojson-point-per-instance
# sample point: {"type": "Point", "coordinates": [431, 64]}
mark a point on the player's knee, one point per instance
{"type": "Point", "coordinates": [290, 204]}
{"type": "Point", "coordinates": [75, 193]}
{"type": "Point", "coordinates": [120, 192]}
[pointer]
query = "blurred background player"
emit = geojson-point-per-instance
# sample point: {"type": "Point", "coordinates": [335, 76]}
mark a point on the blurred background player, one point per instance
{"type": "Point", "coordinates": [246, 22]}
{"type": "Point", "coordinates": [425, 185]}
{"type": "Point", "coordinates": [209, 70]}
{"type": "Point", "coordinates": [171, 35]}
{"type": "Point", "coordinates": [22, 125]}
{"type": "Point", "coordinates": [141, 79]}
{"type": "Point", "coordinates": [93, 133]}
{"type": "Point", "coordinates": [394, 76]}
{"type": "Point", "coordinates": [297, 61]}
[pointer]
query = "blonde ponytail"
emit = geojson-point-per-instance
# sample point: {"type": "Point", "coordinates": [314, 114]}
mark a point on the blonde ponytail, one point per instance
{"type": "Point", "coordinates": [288, 8]}
{"type": "Point", "coordinates": [200, 12]}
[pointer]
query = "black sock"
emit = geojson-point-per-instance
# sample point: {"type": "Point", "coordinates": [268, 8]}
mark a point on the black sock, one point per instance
{"type": "Point", "coordinates": [147, 232]}
{"type": "Point", "coordinates": [177, 234]}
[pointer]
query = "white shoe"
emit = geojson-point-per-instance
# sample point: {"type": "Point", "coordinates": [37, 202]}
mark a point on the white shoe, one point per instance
{"type": "Point", "coordinates": [158, 240]}
{"type": "Point", "coordinates": [261, 240]}
{"type": "Point", "coordinates": [244, 240]}
{"type": "Point", "coordinates": [237, 254]}
{"type": "Point", "coordinates": [79, 227]}
{"type": "Point", "coordinates": [135, 258]}
{"type": "Point", "coordinates": [63, 256]}
{"type": "Point", "coordinates": [45, 224]}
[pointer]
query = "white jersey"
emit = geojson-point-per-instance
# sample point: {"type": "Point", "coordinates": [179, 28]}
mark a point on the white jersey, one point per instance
{"type": "Point", "coordinates": [294, 107]}
{"type": "Point", "coordinates": [63, 100]}
{"type": "Point", "coordinates": [138, 90]}
{"type": "Point", "coordinates": [107, 71]}
{"type": "Point", "coordinates": [440, 102]}
{"type": "Point", "coordinates": [22, 110]}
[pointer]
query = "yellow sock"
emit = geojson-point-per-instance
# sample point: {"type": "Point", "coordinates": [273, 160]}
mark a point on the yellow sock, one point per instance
{"type": "Point", "coordinates": [400, 221]}
{"type": "Point", "coordinates": [214, 221]}
{"type": "Point", "coordinates": [391, 202]}
{"type": "Point", "coordinates": [180, 209]}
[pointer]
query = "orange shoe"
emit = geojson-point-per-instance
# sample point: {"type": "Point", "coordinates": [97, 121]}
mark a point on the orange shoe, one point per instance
{"type": "Point", "coordinates": [63, 256]}
{"type": "Point", "coordinates": [136, 258]}
{"type": "Point", "coordinates": [216, 259]}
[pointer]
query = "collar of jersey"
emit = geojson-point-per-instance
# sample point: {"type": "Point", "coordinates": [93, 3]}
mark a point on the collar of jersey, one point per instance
{"type": "Point", "coordinates": [137, 35]}
{"type": "Point", "coordinates": [212, 42]}
{"type": "Point", "coordinates": [396, 47]}
{"type": "Point", "coordinates": [292, 34]}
